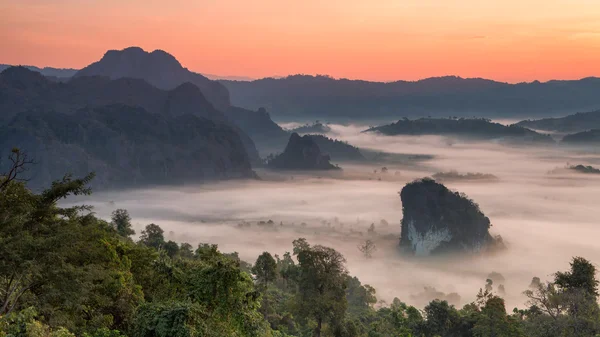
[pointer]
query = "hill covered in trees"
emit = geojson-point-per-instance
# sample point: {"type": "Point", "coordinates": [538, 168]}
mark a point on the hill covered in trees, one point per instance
{"type": "Point", "coordinates": [467, 128]}
{"type": "Point", "coordinates": [64, 273]}
{"type": "Point", "coordinates": [581, 121]}
{"type": "Point", "coordinates": [590, 137]}
{"type": "Point", "coordinates": [304, 97]}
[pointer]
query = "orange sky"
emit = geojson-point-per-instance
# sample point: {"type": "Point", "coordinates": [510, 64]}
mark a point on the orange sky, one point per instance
{"type": "Point", "coordinates": [383, 40]}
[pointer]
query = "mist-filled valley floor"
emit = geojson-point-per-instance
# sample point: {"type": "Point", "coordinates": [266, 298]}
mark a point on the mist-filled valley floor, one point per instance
{"type": "Point", "coordinates": [545, 214]}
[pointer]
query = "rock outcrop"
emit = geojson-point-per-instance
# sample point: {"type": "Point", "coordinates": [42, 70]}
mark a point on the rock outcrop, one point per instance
{"type": "Point", "coordinates": [437, 220]}
{"type": "Point", "coordinates": [301, 153]}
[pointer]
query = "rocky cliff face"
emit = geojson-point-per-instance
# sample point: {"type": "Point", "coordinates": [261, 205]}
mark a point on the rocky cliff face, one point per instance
{"type": "Point", "coordinates": [125, 146]}
{"type": "Point", "coordinates": [158, 68]}
{"type": "Point", "coordinates": [302, 153]}
{"type": "Point", "coordinates": [437, 220]}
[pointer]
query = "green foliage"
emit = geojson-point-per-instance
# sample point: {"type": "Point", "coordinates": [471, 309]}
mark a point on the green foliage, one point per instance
{"type": "Point", "coordinates": [153, 236]}
{"type": "Point", "coordinates": [321, 281]}
{"type": "Point", "coordinates": [64, 273]}
{"type": "Point", "coordinates": [122, 222]}
{"type": "Point", "coordinates": [581, 276]}
{"type": "Point", "coordinates": [173, 319]}
{"type": "Point", "coordinates": [265, 269]}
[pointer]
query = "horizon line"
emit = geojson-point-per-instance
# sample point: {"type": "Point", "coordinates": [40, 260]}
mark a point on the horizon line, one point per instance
{"type": "Point", "coordinates": [215, 77]}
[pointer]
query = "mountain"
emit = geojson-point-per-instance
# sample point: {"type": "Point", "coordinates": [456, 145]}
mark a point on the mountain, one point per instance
{"type": "Point", "coordinates": [302, 97]}
{"type": "Point", "coordinates": [32, 108]}
{"type": "Point", "coordinates": [158, 68]}
{"type": "Point", "coordinates": [53, 73]}
{"type": "Point", "coordinates": [590, 137]}
{"type": "Point", "coordinates": [467, 128]}
{"type": "Point", "coordinates": [301, 153]}
{"type": "Point", "coordinates": [126, 146]}
{"type": "Point", "coordinates": [267, 135]}
{"type": "Point", "coordinates": [580, 121]}
{"type": "Point", "coordinates": [24, 90]}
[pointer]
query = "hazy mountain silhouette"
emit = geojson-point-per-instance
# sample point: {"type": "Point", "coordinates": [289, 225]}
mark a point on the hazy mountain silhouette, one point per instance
{"type": "Point", "coordinates": [467, 128]}
{"type": "Point", "coordinates": [32, 107]}
{"type": "Point", "coordinates": [310, 97]}
{"type": "Point", "coordinates": [25, 90]}
{"type": "Point", "coordinates": [580, 121]}
{"type": "Point", "coordinates": [158, 68]}
{"type": "Point", "coordinates": [52, 73]}
{"type": "Point", "coordinates": [301, 153]}
{"type": "Point", "coordinates": [267, 135]}
{"type": "Point", "coordinates": [590, 137]}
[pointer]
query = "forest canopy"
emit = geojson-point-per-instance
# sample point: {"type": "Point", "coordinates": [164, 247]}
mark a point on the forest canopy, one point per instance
{"type": "Point", "coordinates": [66, 272]}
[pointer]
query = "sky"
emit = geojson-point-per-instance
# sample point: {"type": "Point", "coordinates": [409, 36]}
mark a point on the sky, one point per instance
{"type": "Point", "coordinates": [378, 40]}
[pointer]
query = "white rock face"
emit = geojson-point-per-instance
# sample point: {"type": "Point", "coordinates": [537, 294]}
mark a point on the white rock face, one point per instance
{"type": "Point", "coordinates": [425, 243]}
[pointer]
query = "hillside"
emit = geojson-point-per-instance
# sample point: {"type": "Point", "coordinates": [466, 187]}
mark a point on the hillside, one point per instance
{"type": "Point", "coordinates": [303, 97]}
{"type": "Point", "coordinates": [470, 128]}
{"type": "Point", "coordinates": [125, 146]}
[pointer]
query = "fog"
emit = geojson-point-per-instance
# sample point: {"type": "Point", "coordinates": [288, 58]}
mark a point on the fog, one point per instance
{"type": "Point", "coordinates": [545, 218]}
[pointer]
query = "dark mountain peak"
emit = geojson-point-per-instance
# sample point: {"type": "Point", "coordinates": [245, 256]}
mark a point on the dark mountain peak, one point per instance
{"type": "Point", "coordinates": [132, 62]}
{"type": "Point", "coordinates": [158, 68]}
{"type": "Point", "coordinates": [22, 78]}
{"type": "Point", "coordinates": [302, 153]}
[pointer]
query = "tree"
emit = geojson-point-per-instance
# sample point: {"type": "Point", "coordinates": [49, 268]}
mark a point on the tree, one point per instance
{"type": "Point", "coordinates": [68, 263]}
{"type": "Point", "coordinates": [153, 236]}
{"type": "Point", "coordinates": [442, 318]}
{"type": "Point", "coordinates": [581, 276]}
{"type": "Point", "coordinates": [185, 250]}
{"type": "Point", "coordinates": [321, 280]}
{"type": "Point", "coordinates": [367, 248]}
{"type": "Point", "coordinates": [122, 222]}
{"type": "Point", "coordinates": [493, 321]}
{"type": "Point", "coordinates": [265, 270]}
{"type": "Point", "coordinates": [171, 248]}
{"type": "Point", "coordinates": [19, 164]}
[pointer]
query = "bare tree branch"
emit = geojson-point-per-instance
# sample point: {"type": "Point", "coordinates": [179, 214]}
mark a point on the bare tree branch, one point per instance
{"type": "Point", "coordinates": [20, 162]}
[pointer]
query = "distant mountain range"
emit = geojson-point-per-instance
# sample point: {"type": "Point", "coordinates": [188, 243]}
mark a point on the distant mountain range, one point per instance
{"type": "Point", "coordinates": [52, 73]}
{"type": "Point", "coordinates": [306, 98]}
{"type": "Point", "coordinates": [302, 97]}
